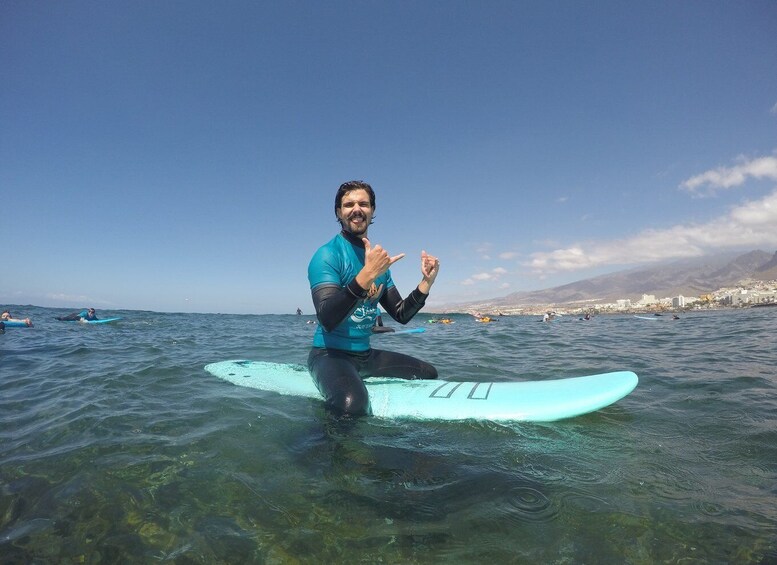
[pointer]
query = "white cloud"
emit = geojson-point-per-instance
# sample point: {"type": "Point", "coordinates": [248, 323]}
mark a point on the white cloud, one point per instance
{"type": "Point", "coordinates": [773, 111]}
{"type": "Point", "coordinates": [752, 224]}
{"type": "Point", "coordinates": [484, 251]}
{"type": "Point", "coordinates": [62, 297]}
{"type": "Point", "coordinates": [546, 242]}
{"type": "Point", "coordinates": [75, 300]}
{"type": "Point", "coordinates": [707, 183]}
{"type": "Point", "coordinates": [492, 275]}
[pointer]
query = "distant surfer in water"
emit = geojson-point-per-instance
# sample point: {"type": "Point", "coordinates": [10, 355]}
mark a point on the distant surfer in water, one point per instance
{"type": "Point", "coordinates": [378, 327]}
{"type": "Point", "coordinates": [89, 314]}
{"type": "Point", "coordinates": [349, 277]}
{"type": "Point", "coordinates": [6, 317]}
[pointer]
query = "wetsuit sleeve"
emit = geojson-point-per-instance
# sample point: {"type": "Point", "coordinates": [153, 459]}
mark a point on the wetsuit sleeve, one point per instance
{"type": "Point", "coordinates": [70, 317]}
{"type": "Point", "coordinates": [334, 303]}
{"type": "Point", "coordinates": [402, 310]}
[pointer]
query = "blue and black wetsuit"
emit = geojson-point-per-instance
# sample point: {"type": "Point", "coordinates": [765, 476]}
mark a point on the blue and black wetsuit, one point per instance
{"type": "Point", "coordinates": [341, 356]}
{"type": "Point", "coordinates": [74, 317]}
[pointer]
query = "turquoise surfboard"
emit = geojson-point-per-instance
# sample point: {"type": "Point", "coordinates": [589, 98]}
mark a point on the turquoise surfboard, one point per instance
{"type": "Point", "coordinates": [15, 324]}
{"type": "Point", "coordinates": [100, 321]}
{"type": "Point", "coordinates": [408, 331]}
{"type": "Point", "coordinates": [528, 401]}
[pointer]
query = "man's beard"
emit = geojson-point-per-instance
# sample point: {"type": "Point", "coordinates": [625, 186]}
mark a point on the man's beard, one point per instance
{"type": "Point", "coordinates": [359, 229]}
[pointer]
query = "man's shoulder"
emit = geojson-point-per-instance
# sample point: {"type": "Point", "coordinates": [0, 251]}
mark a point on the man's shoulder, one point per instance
{"type": "Point", "coordinates": [329, 262]}
{"type": "Point", "coordinates": [329, 253]}
{"type": "Point", "coordinates": [336, 241]}
{"type": "Point", "coordinates": [335, 246]}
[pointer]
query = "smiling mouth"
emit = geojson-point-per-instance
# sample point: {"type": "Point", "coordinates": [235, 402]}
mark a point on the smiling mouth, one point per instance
{"type": "Point", "coordinates": [356, 223]}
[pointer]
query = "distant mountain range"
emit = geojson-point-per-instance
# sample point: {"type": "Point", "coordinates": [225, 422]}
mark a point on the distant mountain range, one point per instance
{"type": "Point", "coordinates": [687, 277]}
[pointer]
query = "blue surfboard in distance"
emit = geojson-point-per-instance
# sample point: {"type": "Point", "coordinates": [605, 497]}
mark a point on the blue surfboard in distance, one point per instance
{"type": "Point", "coordinates": [100, 321]}
{"type": "Point", "coordinates": [16, 324]}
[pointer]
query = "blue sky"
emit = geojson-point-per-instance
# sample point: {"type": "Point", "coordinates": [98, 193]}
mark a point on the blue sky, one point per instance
{"type": "Point", "coordinates": [184, 155]}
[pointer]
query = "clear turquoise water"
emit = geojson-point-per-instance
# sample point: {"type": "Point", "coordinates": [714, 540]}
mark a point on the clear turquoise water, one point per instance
{"type": "Point", "coordinates": [116, 447]}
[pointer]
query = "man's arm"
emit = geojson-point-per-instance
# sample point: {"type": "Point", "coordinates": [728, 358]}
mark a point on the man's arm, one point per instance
{"type": "Point", "coordinates": [402, 310]}
{"type": "Point", "coordinates": [334, 303]}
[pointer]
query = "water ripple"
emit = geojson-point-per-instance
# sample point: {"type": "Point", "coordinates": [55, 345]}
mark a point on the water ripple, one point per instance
{"type": "Point", "coordinates": [116, 445]}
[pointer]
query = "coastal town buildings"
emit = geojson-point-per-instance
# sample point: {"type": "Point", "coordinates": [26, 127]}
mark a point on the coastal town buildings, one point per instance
{"type": "Point", "coordinates": [747, 297]}
{"type": "Point", "coordinates": [748, 293]}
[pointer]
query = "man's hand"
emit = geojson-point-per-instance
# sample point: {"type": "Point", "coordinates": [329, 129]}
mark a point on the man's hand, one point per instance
{"type": "Point", "coordinates": [376, 262]}
{"type": "Point", "coordinates": [430, 266]}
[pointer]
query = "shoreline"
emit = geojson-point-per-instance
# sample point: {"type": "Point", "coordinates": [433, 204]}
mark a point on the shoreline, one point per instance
{"type": "Point", "coordinates": [539, 310]}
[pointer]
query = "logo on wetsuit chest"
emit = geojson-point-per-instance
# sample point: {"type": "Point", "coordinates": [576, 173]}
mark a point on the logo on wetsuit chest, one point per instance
{"type": "Point", "coordinates": [368, 309]}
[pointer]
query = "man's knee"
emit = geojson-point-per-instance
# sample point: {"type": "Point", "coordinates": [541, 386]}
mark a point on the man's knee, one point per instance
{"type": "Point", "coordinates": [354, 402]}
{"type": "Point", "coordinates": [426, 371]}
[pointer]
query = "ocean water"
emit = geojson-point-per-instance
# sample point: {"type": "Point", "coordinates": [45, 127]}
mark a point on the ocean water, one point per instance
{"type": "Point", "coordinates": [117, 447]}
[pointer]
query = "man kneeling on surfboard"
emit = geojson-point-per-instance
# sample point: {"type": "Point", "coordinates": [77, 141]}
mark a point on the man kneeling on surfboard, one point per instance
{"type": "Point", "coordinates": [349, 277]}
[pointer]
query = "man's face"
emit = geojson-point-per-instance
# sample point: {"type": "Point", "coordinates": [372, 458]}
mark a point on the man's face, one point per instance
{"type": "Point", "coordinates": [355, 212]}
